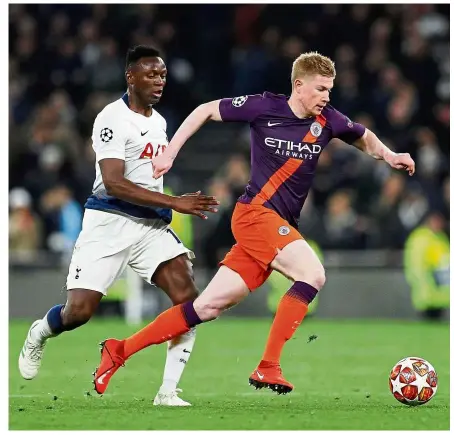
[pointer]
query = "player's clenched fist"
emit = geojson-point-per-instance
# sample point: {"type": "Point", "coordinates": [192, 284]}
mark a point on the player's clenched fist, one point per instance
{"type": "Point", "coordinates": [195, 203]}
{"type": "Point", "coordinates": [402, 161]}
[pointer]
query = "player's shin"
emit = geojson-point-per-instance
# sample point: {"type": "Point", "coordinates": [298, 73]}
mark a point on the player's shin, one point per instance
{"type": "Point", "coordinates": [290, 313]}
{"type": "Point", "coordinates": [168, 325]}
{"type": "Point", "coordinates": [178, 353]}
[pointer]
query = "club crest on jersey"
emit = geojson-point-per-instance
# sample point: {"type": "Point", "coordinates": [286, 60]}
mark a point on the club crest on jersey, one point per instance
{"type": "Point", "coordinates": [316, 129]}
{"type": "Point", "coordinates": [106, 134]}
{"type": "Point", "coordinates": [284, 230]}
{"type": "Point", "coordinates": [239, 101]}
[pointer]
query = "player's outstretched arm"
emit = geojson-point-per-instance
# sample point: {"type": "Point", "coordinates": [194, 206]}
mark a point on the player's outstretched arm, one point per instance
{"type": "Point", "coordinates": [203, 113]}
{"type": "Point", "coordinates": [372, 145]}
{"type": "Point", "coordinates": [117, 185]}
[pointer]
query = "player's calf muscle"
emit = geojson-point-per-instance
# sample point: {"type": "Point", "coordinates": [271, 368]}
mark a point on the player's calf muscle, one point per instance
{"type": "Point", "coordinates": [183, 295]}
{"type": "Point", "coordinates": [211, 304]}
{"type": "Point", "coordinates": [80, 307]}
{"type": "Point", "coordinates": [207, 312]}
{"type": "Point", "coordinates": [210, 307]}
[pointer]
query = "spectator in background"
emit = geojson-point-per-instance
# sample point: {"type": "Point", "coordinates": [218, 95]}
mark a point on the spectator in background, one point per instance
{"type": "Point", "coordinates": [85, 172]}
{"type": "Point", "coordinates": [218, 237]}
{"type": "Point", "coordinates": [48, 172]}
{"type": "Point", "coordinates": [237, 174]}
{"type": "Point", "coordinates": [393, 72]}
{"type": "Point", "coordinates": [227, 187]}
{"type": "Point", "coordinates": [446, 200]}
{"type": "Point", "coordinates": [108, 73]}
{"type": "Point", "coordinates": [429, 158]}
{"type": "Point", "coordinates": [411, 210]}
{"type": "Point", "coordinates": [64, 216]}
{"type": "Point", "coordinates": [89, 44]}
{"type": "Point", "coordinates": [427, 265]}
{"type": "Point", "coordinates": [24, 225]}
{"type": "Point", "coordinates": [344, 229]}
{"type": "Point", "coordinates": [311, 222]}
{"type": "Point", "coordinates": [385, 211]}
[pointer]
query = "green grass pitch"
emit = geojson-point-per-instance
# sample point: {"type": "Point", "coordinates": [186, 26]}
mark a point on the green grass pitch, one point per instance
{"type": "Point", "coordinates": [341, 379]}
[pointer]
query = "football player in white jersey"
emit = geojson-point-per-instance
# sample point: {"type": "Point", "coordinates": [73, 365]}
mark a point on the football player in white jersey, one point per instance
{"type": "Point", "coordinates": [126, 222]}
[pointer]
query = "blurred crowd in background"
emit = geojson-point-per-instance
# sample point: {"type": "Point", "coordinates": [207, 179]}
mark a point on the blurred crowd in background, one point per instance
{"type": "Point", "coordinates": [67, 62]}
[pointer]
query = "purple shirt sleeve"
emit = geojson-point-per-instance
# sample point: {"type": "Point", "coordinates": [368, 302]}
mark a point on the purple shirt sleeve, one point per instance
{"type": "Point", "coordinates": [246, 108]}
{"type": "Point", "coordinates": [345, 129]}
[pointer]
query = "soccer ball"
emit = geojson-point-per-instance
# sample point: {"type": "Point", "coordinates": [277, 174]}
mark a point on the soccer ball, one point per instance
{"type": "Point", "coordinates": [413, 381]}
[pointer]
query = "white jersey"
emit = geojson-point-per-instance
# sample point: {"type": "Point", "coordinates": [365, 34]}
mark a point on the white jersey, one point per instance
{"type": "Point", "coordinates": [127, 234]}
{"type": "Point", "coordinates": [121, 133]}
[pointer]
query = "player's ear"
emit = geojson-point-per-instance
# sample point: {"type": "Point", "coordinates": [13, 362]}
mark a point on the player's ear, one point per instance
{"type": "Point", "coordinates": [129, 77]}
{"type": "Point", "coordinates": [297, 84]}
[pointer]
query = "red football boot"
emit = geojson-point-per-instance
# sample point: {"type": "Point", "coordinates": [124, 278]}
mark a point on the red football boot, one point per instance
{"type": "Point", "coordinates": [268, 375]}
{"type": "Point", "coordinates": [112, 358]}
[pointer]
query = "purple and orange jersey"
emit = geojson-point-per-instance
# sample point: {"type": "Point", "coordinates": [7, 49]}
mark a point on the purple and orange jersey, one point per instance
{"type": "Point", "coordinates": [285, 149]}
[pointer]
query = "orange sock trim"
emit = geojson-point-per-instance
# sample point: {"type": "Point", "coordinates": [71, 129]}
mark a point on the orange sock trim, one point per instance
{"type": "Point", "coordinates": [166, 326]}
{"type": "Point", "coordinates": [290, 313]}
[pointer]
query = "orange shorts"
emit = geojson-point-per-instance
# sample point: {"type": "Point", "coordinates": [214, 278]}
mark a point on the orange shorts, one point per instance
{"type": "Point", "coordinates": [259, 233]}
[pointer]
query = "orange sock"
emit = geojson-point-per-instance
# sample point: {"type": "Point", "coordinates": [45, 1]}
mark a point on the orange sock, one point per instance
{"type": "Point", "coordinates": [290, 313]}
{"type": "Point", "coordinates": [169, 324]}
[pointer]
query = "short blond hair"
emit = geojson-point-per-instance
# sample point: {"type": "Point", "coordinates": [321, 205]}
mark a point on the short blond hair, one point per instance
{"type": "Point", "coordinates": [312, 63]}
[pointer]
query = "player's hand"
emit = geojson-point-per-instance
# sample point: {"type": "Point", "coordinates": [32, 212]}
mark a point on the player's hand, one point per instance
{"type": "Point", "coordinates": [196, 204]}
{"type": "Point", "coordinates": [161, 165]}
{"type": "Point", "coordinates": [402, 161]}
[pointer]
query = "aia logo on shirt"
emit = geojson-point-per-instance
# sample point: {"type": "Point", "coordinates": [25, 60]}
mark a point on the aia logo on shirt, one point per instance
{"type": "Point", "coordinates": [150, 151]}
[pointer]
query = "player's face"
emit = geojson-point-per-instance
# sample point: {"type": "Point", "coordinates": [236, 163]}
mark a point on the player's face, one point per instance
{"type": "Point", "coordinates": [148, 78]}
{"type": "Point", "coordinates": [313, 92]}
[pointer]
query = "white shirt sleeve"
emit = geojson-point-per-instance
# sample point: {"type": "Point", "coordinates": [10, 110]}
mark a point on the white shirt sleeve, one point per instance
{"type": "Point", "coordinates": [109, 141]}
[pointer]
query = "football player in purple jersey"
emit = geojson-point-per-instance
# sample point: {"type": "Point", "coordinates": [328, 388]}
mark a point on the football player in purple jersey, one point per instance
{"type": "Point", "coordinates": [287, 136]}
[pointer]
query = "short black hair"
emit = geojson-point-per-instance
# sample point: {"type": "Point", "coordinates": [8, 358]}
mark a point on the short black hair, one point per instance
{"type": "Point", "coordinates": [134, 54]}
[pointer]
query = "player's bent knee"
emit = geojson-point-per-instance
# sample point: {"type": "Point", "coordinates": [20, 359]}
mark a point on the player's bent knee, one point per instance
{"type": "Point", "coordinates": [316, 278]}
{"type": "Point", "coordinates": [319, 279]}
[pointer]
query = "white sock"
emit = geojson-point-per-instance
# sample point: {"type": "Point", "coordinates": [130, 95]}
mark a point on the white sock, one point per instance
{"type": "Point", "coordinates": [41, 332]}
{"type": "Point", "coordinates": [178, 352]}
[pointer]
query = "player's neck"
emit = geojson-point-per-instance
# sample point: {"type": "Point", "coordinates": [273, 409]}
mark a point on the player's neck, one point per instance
{"type": "Point", "coordinates": [297, 108]}
{"type": "Point", "coordinates": [136, 106]}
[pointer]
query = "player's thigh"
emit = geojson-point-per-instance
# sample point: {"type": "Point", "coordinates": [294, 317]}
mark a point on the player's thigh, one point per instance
{"type": "Point", "coordinates": [298, 262]}
{"type": "Point", "coordinates": [226, 289]}
{"type": "Point", "coordinates": [98, 259]}
{"type": "Point", "coordinates": [253, 271]}
{"type": "Point", "coordinates": [176, 278]}
{"type": "Point", "coordinates": [158, 245]}
{"type": "Point", "coordinates": [261, 233]}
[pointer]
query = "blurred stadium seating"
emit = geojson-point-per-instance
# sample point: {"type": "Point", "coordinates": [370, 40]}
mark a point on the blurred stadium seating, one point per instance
{"type": "Point", "coordinates": [67, 61]}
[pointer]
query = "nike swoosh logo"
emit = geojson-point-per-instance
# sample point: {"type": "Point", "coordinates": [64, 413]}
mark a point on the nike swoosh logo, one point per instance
{"type": "Point", "coordinates": [100, 380]}
{"type": "Point", "coordinates": [272, 124]}
{"type": "Point", "coordinates": [143, 134]}
{"type": "Point", "coordinates": [260, 375]}
{"type": "Point", "coordinates": [186, 351]}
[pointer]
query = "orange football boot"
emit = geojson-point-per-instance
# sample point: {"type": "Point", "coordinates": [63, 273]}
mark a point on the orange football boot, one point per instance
{"type": "Point", "coordinates": [269, 375]}
{"type": "Point", "coordinates": [112, 358]}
